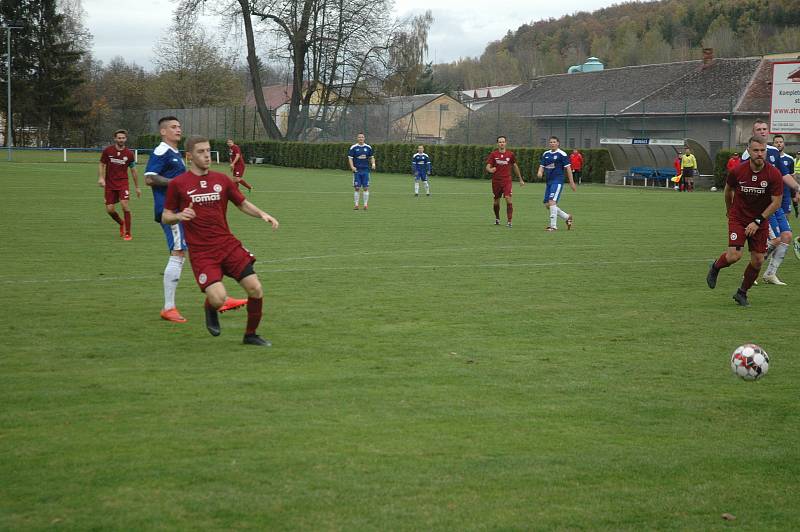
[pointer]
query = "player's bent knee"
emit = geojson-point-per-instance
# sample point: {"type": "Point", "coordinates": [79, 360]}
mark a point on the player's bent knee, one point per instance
{"type": "Point", "coordinates": [216, 294]}
{"type": "Point", "coordinates": [256, 292]}
{"type": "Point", "coordinates": [252, 285]}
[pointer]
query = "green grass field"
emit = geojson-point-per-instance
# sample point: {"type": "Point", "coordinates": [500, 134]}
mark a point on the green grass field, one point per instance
{"type": "Point", "coordinates": [430, 371]}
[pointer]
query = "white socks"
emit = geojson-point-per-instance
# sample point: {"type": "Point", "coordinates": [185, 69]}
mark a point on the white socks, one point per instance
{"type": "Point", "coordinates": [777, 258]}
{"type": "Point", "coordinates": [172, 274]}
{"type": "Point", "coordinates": [554, 215]}
{"type": "Point", "coordinates": [366, 197]}
{"type": "Point", "coordinates": [427, 188]}
{"type": "Point", "coordinates": [416, 187]}
{"type": "Point", "coordinates": [561, 214]}
{"type": "Point", "coordinates": [355, 197]}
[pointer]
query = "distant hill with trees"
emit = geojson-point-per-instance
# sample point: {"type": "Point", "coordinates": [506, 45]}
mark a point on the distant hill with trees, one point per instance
{"type": "Point", "coordinates": [630, 33]}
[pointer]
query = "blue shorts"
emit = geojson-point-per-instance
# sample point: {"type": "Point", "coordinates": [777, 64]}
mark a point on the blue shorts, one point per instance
{"type": "Point", "coordinates": [553, 192]}
{"type": "Point", "coordinates": [779, 223]}
{"type": "Point", "coordinates": [420, 177]}
{"type": "Point", "coordinates": [361, 179]}
{"type": "Point", "coordinates": [175, 238]}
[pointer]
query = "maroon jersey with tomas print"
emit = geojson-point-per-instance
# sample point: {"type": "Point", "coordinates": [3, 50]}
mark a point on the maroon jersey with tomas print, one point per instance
{"type": "Point", "coordinates": [503, 162]}
{"type": "Point", "coordinates": [117, 163]}
{"type": "Point", "coordinates": [753, 191]}
{"type": "Point", "coordinates": [209, 195]}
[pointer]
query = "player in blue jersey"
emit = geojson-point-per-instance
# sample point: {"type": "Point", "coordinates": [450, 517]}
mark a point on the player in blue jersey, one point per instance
{"type": "Point", "coordinates": [361, 160]}
{"type": "Point", "coordinates": [554, 164]}
{"type": "Point", "coordinates": [164, 164]}
{"type": "Point", "coordinates": [778, 222]}
{"type": "Point", "coordinates": [421, 168]}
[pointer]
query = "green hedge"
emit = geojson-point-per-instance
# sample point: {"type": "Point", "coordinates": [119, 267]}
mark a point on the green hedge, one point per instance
{"type": "Point", "coordinates": [720, 166]}
{"type": "Point", "coordinates": [456, 160]}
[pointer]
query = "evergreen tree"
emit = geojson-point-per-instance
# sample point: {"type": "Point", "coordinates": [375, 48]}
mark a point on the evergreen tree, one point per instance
{"type": "Point", "coordinates": [46, 73]}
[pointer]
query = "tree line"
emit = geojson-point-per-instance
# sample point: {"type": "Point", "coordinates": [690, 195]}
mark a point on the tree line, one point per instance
{"type": "Point", "coordinates": [630, 33]}
{"type": "Point", "coordinates": [349, 48]}
{"type": "Point", "coordinates": [347, 51]}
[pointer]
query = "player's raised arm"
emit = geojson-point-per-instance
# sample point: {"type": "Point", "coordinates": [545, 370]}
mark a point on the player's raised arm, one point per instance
{"type": "Point", "coordinates": [250, 209]}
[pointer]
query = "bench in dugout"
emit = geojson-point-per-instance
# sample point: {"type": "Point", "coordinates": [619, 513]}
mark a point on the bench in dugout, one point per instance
{"type": "Point", "coordinates": [649, 174]}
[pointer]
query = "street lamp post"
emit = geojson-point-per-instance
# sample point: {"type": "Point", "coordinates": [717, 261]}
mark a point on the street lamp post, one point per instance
{"type": "Point", "coordinates": [10, 25]}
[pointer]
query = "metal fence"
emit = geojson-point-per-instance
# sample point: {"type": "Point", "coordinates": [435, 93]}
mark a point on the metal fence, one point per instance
{"type": "Point", "coordinates": [713, 122]}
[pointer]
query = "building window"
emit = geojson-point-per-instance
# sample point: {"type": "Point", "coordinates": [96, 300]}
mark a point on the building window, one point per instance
{"type": "Point", "coordinates": [587, 143]}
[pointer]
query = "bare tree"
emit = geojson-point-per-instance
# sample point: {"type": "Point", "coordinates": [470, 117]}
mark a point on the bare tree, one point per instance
{"type": "Point", "coordinates": [329, 43]}
{"type": "Point", "coordinates": [191, 72]}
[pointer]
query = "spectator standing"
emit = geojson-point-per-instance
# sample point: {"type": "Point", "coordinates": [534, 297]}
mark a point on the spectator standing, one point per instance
{"type": "Point", "coordinates": [576, 163]}
{"type": "Point", "coordinates": [734, 161]}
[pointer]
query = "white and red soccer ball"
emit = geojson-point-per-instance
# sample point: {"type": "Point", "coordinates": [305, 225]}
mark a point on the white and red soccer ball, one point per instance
{"type": "Point", "coordinates": [750, 362]}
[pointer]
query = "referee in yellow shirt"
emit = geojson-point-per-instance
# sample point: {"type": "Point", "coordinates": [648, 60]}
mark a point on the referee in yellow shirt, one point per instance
{"type": "Point", "coordinates": [688, 169]}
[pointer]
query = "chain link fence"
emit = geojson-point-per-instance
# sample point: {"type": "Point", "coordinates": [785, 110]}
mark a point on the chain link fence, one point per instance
{"type": "Point", "coordinates": [715, 123]}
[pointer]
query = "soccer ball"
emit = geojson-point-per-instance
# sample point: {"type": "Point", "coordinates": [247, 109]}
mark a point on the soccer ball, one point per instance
{"type": "Point", "coordinates": [713, 189]}
{"type": "Point", "coordinates": [750, 362]}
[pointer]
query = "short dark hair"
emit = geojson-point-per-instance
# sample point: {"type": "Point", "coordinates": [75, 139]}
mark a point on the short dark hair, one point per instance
{"type": "Point", "coordinates": [167, 119]}
{"type": "Point", "coordinates": [551, 137]}
{"type": "Point", "coordinates": [194, 140]}
{"type": "Point", "coordinates": [123, 131]}
{"type": "Point", "coordinates": [501, 137]}
{"type": "Point", "coordinates": [776, 136]}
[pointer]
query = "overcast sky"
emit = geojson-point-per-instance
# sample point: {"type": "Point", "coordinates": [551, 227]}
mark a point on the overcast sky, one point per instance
{"type": "Point", "coordinates": [461, 28]}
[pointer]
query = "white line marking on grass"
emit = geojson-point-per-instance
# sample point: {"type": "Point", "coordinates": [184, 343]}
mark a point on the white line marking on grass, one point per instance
{"type": "Point", "coordinates": [589, 263]}
{"type": "Point", "coordinates": [487, 265]}
{"type": "Point", "coordinates": [78, 280]}
{"type": "Point", "coordinates": [413, 251]}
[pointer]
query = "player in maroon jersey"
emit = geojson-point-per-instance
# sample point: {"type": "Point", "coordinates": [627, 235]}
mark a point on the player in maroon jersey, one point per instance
{"type": "Point", "coordinates": [199, 200]}
{"type": "Point", "coordinates": [499, 164]}
{"type": "Point", "coordinates": [752, 193]}
{"type": "Point", "coordinates": [112, 175]}
{"type": "Point", "coordinates": [237, 164]}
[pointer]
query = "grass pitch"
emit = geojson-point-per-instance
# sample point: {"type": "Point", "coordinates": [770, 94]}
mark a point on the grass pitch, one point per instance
{"type": "Point", "coordinates": [430, 371]}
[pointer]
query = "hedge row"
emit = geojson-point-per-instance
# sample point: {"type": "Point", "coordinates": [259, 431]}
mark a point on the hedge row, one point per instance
{"type": "Point", "coordinates": [721, 166]}
{"type": "Point", "coordinates": [456, 160]}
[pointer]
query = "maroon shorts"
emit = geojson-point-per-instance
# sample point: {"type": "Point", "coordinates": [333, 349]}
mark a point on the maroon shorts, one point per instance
{"type": "Point", "coordinates": [737, 238]}
{"type": "Point", "coordinates": [114, 196]}
{"type": "Point", "coordinates": [501, 188]}
{"type": "Point", "coordinates": [238, 172]}
{"type": "Point", "coordinates": [210, 266]}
